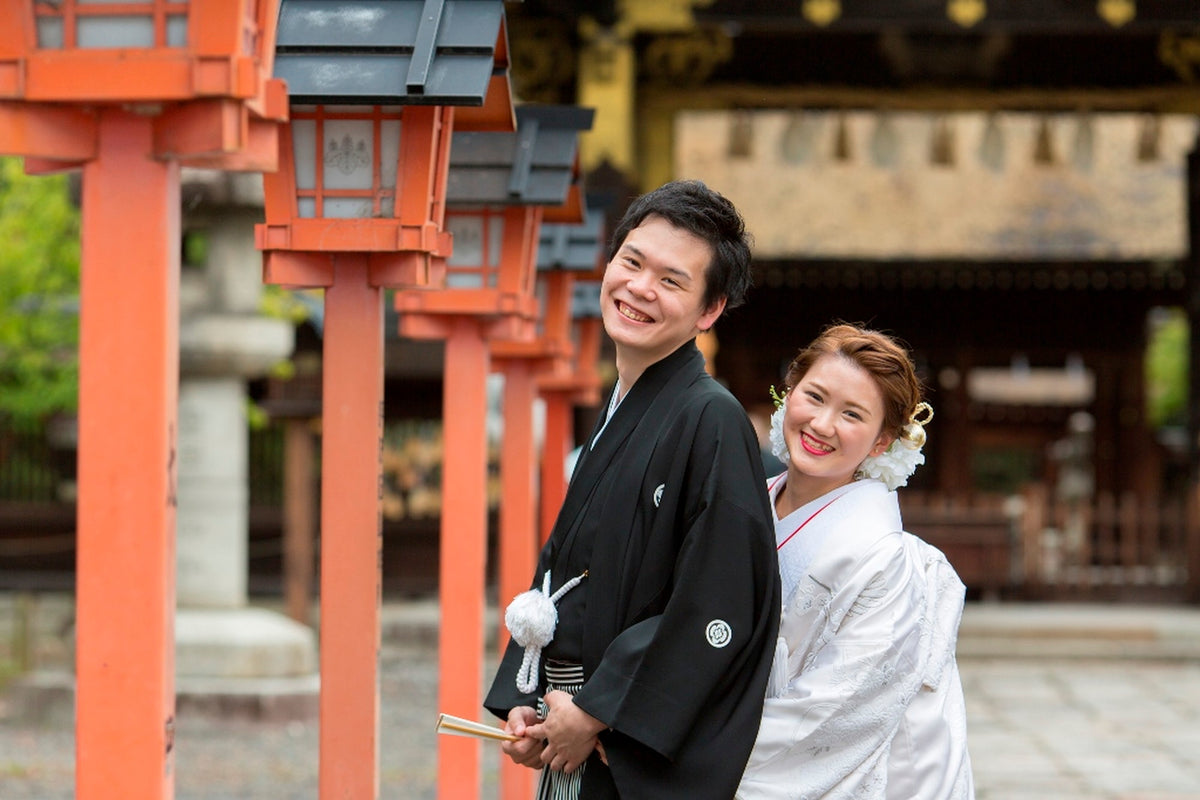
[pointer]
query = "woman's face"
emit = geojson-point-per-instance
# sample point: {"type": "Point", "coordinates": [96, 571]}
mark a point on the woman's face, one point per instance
{"type": "Point", "coordinates": [834, 420]}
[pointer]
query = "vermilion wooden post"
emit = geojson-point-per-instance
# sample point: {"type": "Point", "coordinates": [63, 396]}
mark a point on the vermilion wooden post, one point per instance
{"type": "Point", "coordinates": [205, 99]}
{"type": "Point", "coordinates": [562, 391]}
{"type": "Point", "coordinates": [518, 471]}
{"type": "Point", "coordinates": [463, 556]}
{"type": "Point", "coordinates": [487, 298]}
{"type": "Point", "coordinates": [300, 518]}
{"type": "Point", "coordinates": [524, 363]}
{"type": "Point", "coordinates": [351, 526]}
{"type": "Point", "coordinates": [356, 206]}
{"type": "Point", "coordinates": [463, 544]}
{"type": "Point", "coordinates": [352, 259]}
{"type": "Point", "coordinates": [518, 547]}
{"type": "Point", "coordinates": [128, 387]}
{"type": "Point", "coordinates": [556, 446]}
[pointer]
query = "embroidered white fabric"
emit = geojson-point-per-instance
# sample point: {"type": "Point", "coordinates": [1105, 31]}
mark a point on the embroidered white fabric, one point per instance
{"type": "Point", "coordinates": [867, 703]}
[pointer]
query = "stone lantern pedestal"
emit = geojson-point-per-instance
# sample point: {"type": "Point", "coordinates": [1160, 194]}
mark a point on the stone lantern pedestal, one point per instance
{"type": "Point", "coordinates": [229, 656]}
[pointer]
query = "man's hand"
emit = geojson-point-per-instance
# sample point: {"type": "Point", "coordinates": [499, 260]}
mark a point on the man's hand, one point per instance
{"type": "Point", "coordinates": [569, 731]}
{"type": "Point", "coordinates": [528, 750]}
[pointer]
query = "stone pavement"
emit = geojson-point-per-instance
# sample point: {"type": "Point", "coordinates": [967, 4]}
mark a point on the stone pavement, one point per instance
{"type": "Point", "coordinates": [1064, 703]}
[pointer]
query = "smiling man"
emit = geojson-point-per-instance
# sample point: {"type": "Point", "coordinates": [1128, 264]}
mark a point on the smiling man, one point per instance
{"type": "Point", "coordinates": [662, 558]}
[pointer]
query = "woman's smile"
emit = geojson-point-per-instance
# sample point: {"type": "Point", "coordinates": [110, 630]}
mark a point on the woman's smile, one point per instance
{"type": "Point", "coordinates": [815, 446]}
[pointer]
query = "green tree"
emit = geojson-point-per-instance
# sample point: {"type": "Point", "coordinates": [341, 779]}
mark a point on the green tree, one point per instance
{"type": "Point", "coordinates": [39, 295]}
{"type": "Point", "coordinates": [1167, 369]}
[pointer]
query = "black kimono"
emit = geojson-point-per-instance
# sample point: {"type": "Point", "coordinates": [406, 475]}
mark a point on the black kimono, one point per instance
{"type": "Point", "coordinates": [675, 624]}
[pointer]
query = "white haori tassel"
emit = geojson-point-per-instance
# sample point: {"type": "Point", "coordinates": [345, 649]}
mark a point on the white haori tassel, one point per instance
{"type": "Point", "coordinates": [531, 618]}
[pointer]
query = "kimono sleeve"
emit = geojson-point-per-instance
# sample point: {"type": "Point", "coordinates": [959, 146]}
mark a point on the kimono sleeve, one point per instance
{"type": "Point", "coordinates": [830, 731]}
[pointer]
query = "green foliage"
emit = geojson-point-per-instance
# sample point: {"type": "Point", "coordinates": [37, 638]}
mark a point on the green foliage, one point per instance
{"type": "Point", "coordinates": [1167, 370]}
{"type": "Point", "coordinates": [280, 303]}
{"type": "Point", "coordinates": [39, 294]}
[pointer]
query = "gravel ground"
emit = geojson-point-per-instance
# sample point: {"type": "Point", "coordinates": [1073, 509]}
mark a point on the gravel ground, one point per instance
{"type": "Point", "coordinates": [1043, 723]}
{"type": "Point", "coordinates": [243, 760]}
{"type": "Point", "coordinates": [235, 759]}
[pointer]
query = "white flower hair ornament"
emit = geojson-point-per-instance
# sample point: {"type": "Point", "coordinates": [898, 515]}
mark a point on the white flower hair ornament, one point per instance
{"type": "Point", "coordinates": [896, 465]}
{"type": "Point", "coordinates": [893, 466]}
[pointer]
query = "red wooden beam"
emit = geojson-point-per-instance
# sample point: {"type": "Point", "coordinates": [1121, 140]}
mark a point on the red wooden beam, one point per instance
{"type": "Point", "coordinates": [60, 133]}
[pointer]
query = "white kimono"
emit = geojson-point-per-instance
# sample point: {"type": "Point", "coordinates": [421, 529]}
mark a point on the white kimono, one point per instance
{"type": "Point", "coordinates": [865, 699]}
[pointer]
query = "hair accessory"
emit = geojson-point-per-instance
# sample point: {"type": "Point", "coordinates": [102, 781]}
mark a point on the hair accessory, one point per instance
{"type": "Point", "coordinates": [778, 445]}
{"type": "Point", "coordinates": [779, 399]}
{"type": "Point", "coordinates": [914, 431]}
{"type": "Point", "coordinates": [896, 465]}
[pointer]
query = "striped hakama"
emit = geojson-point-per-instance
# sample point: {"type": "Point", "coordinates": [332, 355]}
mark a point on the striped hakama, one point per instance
{"type": "Point", "coordinates": [555, 784]}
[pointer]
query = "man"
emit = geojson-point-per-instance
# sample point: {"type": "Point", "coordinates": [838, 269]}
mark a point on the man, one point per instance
{"type": "Point", "coordinates": [652, 685]}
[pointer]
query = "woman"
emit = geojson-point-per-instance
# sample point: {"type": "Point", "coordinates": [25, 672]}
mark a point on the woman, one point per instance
{"type": "Point", "coordinates": [865, 699]}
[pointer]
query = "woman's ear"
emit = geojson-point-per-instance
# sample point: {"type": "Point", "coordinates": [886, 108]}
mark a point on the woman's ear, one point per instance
{"type": "Point", "coordinates": [882, 444]}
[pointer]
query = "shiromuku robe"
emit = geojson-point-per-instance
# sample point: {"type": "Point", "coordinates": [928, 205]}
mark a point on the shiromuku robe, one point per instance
{"type": "Point", "coordinates": [676, 622]}
{"type": "Point", "coordinates": [865, 699]}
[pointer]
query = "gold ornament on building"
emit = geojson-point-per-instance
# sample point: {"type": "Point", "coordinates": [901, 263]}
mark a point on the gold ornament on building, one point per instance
{"type": "Point", "coordinates": [1116, 12]}
{"type": "Point", "coordinates": [543, 61]}
{"type": "Point", "coordinates": [1180, 53]}
{"type": "Point", "coordinates": [966, 12]}
{"type": "Point", "coordinates": [821, 12]}
{"type": "Point", "coordinates": [685, 59]}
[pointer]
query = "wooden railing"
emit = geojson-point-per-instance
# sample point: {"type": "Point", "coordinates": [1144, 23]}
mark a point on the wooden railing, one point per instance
{"type": "Point", "coordinates": [1112, 546]}
{"type": "Point", "coordinates": [1037, 546]}
{"type": "Point", "coordinates": [975, 532]}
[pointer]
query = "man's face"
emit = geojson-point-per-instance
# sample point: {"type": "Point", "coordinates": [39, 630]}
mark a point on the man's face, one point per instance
{"type": "Point", "coordinates": [652, 297]}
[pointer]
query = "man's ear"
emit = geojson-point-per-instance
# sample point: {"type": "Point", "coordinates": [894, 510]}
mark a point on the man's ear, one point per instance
{"type": "Point", "coordinates": [711, 314]}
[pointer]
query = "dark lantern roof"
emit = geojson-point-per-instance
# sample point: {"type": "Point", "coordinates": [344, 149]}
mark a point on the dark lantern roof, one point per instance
{"type": "Point", "coordinates": [576, 247]}
{"type": "Point", "coordinates": [427, 52]}
{"type": "Point", "coordinates": [533, 166]}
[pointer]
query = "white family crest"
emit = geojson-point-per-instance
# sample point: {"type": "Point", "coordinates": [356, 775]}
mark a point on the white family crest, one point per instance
{"type": "Point", "coordinates": [658, 493]}
{"type": "Point", "coordinates": [718, 633]}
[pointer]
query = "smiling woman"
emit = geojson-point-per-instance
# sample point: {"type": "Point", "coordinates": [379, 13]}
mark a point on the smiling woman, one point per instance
{"type": "Point", "coordinates": [863, 598]}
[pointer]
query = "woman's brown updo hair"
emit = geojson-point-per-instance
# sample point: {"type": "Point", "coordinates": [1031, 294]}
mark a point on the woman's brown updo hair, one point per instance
{"type": "Point", "coordinates": [883, 357]}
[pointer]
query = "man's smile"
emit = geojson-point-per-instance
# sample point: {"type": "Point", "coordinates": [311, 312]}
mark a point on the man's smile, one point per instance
{"type": "Point", "coordinates": [632, 313]}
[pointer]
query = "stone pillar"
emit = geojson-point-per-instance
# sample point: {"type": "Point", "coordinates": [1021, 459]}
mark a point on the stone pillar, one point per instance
{"type": "Point", "coordinates": [229, 655]}
{"type": "Point", "coordinates": [213, 496]}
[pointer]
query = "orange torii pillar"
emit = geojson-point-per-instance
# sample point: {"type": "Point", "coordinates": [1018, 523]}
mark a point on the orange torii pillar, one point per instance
{"type": "Point", "coordinates": [467, 319]}
{"type": "Point", "coordinates": [563, 391]}
{"type": "Point", "coordinates": [357, 206]}
{"type": "Point", "coordinates": [525, 364]}
{"type": "Point", "coordinates": [130, 116]}
{"type": "Point", "coordinates": [572, 253]}
{"type": "Point", "coordinates": [498, 186]}
{"type": "Point", "coordinates": [520, 362]}
{"type": "Point", "coordinates": [352, 425]}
